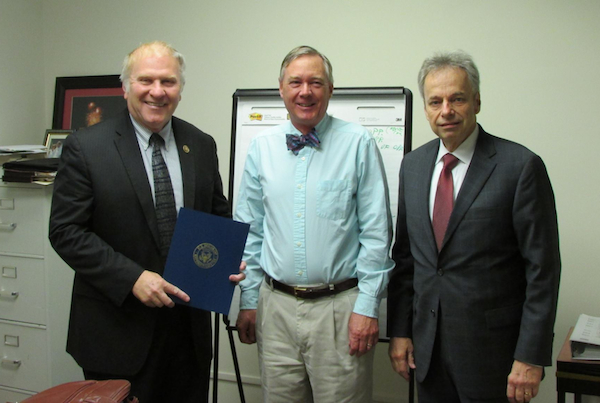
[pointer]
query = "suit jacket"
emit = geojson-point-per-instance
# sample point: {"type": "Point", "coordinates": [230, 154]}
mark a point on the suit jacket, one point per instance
{"type": "Point", "coordinates": [103, 224]}
{"type": "Point", "coordinates": [495, 280]}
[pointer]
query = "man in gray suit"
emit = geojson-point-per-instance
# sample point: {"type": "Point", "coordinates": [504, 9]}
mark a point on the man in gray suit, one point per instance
{"type": "Point", "coordinates": [104, 224]}
{"type": "Point", "coordinates": [472, 300]}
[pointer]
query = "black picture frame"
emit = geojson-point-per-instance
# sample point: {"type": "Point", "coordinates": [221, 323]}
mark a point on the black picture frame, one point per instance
{"type": "Point", "coordinates": [101, 95]}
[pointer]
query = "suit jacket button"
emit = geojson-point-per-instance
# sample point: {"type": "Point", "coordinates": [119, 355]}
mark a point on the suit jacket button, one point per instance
{"type": "Point", "coordinates": [440, 272]}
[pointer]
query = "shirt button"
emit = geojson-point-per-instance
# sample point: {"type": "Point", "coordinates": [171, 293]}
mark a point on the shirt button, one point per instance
{"type": "Point", "coordinates": [299, 186]}
{"type": "Point", "coordinates": [300, 272]}
{"type": "Point", "coordinates": [299, 244]}
{"type": "Point", "coordinates": [298, 215]}
{"type": "Point", "coordinates": [440, 272]}
{"type": "Point", "coordinates": [433, 313]}
{"type": "Point", "coordinates": [303, 158]}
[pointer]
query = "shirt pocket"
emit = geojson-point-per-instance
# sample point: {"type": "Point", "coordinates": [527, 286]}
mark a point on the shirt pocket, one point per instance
{"type": "Point", "coordinates": [333, 199]}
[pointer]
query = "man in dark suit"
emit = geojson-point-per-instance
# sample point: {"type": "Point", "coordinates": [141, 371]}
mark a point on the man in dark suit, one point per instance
{"type": "Point", "coordinates": [472, 300]}
{"type": "Point", "coordinates": [105, 226]}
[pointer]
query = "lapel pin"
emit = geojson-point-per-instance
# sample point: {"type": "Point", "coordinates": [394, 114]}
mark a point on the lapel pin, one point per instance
{"type": "Point", "coordinates": [186, 149]}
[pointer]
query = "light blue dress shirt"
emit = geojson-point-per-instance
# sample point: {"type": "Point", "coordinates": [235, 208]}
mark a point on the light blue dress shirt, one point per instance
{"type": "Point", "coordinates": [322, 216]}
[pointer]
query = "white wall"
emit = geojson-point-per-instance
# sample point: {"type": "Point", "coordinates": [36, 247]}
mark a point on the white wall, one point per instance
{"type": "Point", "coordinates": [21, 73]}
{"type": "Point", "coordinates": [538, 61]}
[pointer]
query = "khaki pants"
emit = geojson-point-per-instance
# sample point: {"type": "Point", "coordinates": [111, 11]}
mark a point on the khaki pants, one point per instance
{"type": "Point", "coordinates": [303, 350]}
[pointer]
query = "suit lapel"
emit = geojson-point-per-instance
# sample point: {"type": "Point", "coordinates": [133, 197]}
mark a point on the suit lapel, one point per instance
{"type": "Point", "coordinates": [426, 173]}
{"type": "Point", "coordinates": [129, 150]}
{"type": "Point", "coordinates": [479, 171]}
{"type": "Point", "coordinates": [185, 148]}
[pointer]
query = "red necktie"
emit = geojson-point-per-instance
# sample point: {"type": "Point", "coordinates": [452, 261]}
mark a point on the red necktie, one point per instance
{"type": "Point", "coordinates": [444, 199]}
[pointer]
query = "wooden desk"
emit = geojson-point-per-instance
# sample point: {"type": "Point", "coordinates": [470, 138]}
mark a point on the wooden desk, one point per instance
{"type": "Point", "coordinates": [576, 376]}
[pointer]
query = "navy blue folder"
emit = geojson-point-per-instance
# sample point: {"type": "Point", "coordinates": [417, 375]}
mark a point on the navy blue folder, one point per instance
{"type": "Point", "coordinates": [205, 250]}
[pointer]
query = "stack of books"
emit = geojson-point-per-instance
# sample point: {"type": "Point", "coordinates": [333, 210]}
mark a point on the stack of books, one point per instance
{"type": "Point", "coordinates": [42, 170]}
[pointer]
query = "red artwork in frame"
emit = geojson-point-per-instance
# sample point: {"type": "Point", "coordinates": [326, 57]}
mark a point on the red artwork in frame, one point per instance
{"type": "Point", "coordinates": [84, 101]}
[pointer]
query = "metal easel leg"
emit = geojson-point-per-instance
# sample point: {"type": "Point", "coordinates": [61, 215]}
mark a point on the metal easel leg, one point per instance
{"type": "Point", "coordinates": [216, 359]}
{"type": "Point", "coordinates": [236, 365]}
{"type": "Point", "coordinates": [411, 387]}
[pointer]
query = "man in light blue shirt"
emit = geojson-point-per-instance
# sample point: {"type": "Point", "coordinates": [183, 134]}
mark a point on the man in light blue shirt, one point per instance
{"type": "Point", "coordinates": [318, 244]}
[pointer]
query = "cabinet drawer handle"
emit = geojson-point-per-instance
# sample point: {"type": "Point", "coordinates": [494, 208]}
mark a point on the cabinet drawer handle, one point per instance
{"type": "Point", "coordinates": [9, 226]}
{"type": "Point", "coordinates": [7, 362]}
{"type": "Point", "coordinates": [7, 204]}
{"type": "Point", "coordinates": [9, 294]}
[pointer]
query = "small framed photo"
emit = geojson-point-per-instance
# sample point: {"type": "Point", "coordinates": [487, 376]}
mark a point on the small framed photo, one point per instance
{"type": "Point", "coordinates": [54, 140]}
{"type": "Point", "coordinates": [87, 100]}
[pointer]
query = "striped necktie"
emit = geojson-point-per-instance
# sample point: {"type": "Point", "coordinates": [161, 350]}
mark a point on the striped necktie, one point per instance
{"type": "Point", "coordinates": [166, 212]}
{"type": "Point", "coordinates": [296, 143]}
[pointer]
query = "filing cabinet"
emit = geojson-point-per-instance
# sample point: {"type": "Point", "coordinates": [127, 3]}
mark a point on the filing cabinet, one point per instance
{"type": "Point", "coordinates": [35, 293]}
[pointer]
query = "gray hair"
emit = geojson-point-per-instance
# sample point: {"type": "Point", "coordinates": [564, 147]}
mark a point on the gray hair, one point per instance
{"type": "Point", "coordinates": [306, 51]}
{"type": "Point", "coordinates": [458, 59]}
{"type": "Point", "coordinates": [151, 48]}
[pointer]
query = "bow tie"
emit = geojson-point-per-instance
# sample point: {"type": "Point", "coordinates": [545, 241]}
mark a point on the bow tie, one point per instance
{"type": "Point", "coordinates": [296, 143]}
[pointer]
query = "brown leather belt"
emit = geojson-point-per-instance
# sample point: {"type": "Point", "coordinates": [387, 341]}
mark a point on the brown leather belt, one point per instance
{"type": "Point", "coordinates": [312, 292]}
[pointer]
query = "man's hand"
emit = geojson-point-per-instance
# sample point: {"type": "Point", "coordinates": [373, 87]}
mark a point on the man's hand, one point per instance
{"type": "Point", "coordinates": [401, 355]}
{"type": "Point", "coordinates": [236, 278]}
{"type": "Point", "coordinates": [246, 326]}
{"type": "Point", "coordinates": [152, 290]}
{"type": "Point", "coordinates": [523, 382]}
{"type": "Point", "coordinates": [363, 333]}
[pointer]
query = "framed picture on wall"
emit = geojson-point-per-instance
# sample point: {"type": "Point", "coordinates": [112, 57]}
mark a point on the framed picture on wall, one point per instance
{"type": "Point", "coordinates": [53, 140]}
{"type": "Point", "coordinates": [84, 101]}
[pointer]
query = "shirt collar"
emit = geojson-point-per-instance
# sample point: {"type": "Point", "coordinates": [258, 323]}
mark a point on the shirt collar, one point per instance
{"type": "Point", "coordinates": [143, 133]}
{"type": "Point", "coordinates": [464, 152]}
{"type": "Point", "coordinates": [321, 128]}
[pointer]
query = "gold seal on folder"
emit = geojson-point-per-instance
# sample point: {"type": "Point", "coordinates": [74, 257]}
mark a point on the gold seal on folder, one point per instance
{"type": "Point", "coordinates": [206, 255]}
